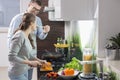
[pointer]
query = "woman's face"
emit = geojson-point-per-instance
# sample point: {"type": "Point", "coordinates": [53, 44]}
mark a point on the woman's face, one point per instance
{"type": "Point", "coordinates": [33, 26]}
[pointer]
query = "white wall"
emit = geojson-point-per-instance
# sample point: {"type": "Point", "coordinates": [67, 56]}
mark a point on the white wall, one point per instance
{"type": "Point", "coordinates": [24, 5]}
{"type": "Point", "coordinates": [8, 9]}
{"type": "Point", "coordinates": [109, 22]}
{"type": "Point", "coordinates": [3, 47]}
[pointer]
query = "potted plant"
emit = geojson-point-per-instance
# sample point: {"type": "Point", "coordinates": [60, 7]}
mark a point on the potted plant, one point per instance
{"type": "Point", "coordinates": [113, 47]}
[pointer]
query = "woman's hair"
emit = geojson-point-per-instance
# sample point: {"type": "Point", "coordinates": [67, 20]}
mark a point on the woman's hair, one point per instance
{"type": "Point", "coordinates": [25, 24]}
{"type": "Point", "coordinates": [37, 1]}
{"type": "Point", "coordinates": [26, 21]}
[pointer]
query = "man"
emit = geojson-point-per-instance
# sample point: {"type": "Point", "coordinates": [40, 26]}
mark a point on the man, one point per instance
{"type": "Point", "coordinates": [41, 32]}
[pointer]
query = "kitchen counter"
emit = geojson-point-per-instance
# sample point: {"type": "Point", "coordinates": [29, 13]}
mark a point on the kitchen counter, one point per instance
{"type": "Point", "coordinates": [43, 76]}
{"type": "Point", "coordinates": [3, 29]}
{"type": "Point", "coordinates": [113, 64]}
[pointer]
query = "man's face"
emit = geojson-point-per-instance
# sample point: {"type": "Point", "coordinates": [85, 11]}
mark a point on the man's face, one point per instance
{"type": "Point", "coordinates": [34, 8]}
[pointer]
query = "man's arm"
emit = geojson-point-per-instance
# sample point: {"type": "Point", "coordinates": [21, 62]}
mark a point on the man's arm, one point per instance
{"type": "Point", "coordinates": [42, 31]}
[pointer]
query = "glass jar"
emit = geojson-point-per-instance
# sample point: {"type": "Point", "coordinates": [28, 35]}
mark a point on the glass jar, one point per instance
{"type": "Point", "coordinates": [87, 56]}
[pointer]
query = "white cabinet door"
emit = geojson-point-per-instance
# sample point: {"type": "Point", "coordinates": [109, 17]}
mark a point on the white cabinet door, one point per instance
{"type": "Point", "coordinates": [3, 48]}
{"type": "Point", "coordinates": [68, 10]}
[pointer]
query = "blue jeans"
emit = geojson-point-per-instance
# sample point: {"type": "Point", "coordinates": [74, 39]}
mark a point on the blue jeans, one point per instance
{"type": "Point", "coordinates": [23, 76]}
{"type": "Point", "coordinates": [30, 72]}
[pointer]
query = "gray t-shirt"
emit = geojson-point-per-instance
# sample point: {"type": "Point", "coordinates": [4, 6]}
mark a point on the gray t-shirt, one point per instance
{"type": "Point", "coordinates": [20, 49]}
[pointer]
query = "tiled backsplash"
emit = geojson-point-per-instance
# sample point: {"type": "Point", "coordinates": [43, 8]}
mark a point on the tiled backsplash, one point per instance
{"type": "Point", "coordinates": [57, 30]}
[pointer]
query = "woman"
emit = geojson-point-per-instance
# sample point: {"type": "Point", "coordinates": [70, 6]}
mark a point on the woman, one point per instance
{"type": "Point", "coordinates": [21, 48]}
{"type": "Point", "coordinates": [34, 7]}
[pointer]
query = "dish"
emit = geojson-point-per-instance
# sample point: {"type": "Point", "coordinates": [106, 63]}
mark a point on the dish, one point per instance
{"type": "Point", "coordinates": [61, 45]}
{"type": "Point", "coordinates": [68, 77]}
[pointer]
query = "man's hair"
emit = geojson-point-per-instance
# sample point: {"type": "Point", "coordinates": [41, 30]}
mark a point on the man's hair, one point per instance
{"type": "Point", "coordinates": [37, 1]}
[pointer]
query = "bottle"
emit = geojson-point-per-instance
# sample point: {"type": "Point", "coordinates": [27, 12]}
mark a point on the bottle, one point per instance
{"type": "Point", "coordinates": [64, 41]}
{"type": "Point", "coordinates": [65, 49]}
{"type": "Point", "coordinates": [61, 40]}
{"type": "Point", "coordinates": [71, 44]}
{"type": "Point", "coordinates": [58, 41]}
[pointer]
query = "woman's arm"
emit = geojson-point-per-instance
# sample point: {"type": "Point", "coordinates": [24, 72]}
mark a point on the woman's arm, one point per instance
{"type": "Point", "coordinates": [15, 46]}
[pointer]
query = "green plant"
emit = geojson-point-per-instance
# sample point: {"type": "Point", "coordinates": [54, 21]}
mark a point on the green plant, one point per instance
{"type": "Point", "coordinates": [74, 64]}
{"type": "Point", "coordinates": [112, 76]}
{"type": "Point", "coordinates": [113, 42]}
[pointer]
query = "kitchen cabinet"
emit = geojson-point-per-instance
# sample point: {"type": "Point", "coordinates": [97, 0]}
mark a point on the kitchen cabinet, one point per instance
{"type": "Point", "coordinates": [67, 10]}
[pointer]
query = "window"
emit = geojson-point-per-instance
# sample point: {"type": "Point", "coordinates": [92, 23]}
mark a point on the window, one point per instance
{"type": "Point", "coordinates": [87, 33]}
{"type": "Point", "coordinates": [8, 9]}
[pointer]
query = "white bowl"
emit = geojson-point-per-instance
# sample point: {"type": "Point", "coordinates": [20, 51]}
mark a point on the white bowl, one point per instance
{"type": "Point", "coordinates": [68, 77]}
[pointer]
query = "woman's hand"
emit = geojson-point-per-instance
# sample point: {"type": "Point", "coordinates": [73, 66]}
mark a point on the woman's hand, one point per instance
{"type": "Point", "coordinates": [42, 61]}
{"type": "Point", "coordinates": [34, 63]}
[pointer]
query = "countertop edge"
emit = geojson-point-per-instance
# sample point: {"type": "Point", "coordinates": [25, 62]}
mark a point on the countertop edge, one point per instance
{"type": "Point", "coordinates": [3, 29]}
{"type": "Point", "coordinates": [113, 65]}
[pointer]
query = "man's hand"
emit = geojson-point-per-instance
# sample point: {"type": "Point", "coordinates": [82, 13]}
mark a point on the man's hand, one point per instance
{"type": "Point", "coordinates": [46, 28]}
